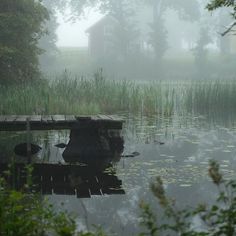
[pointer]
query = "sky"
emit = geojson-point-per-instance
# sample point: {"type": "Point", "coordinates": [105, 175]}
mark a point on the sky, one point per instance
{"type": "Point", "coordinates": [72, 34]}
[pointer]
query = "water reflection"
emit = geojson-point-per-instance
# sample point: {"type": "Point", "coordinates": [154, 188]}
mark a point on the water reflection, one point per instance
{"type": "Point", "coordinates": [90, 172]}
{"type": "Point", "coordinates": [80, 180]}
{"type": "Point", "coordinates": [182, 163]}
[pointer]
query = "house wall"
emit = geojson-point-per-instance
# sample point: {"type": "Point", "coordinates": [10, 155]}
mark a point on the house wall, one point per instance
{"type": "Point", "coordinates": [96, 41]}
{"type": "Point", "coordinates": [232, 40]}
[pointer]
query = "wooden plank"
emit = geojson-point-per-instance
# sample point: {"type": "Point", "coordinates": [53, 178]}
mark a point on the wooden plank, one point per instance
{"type": "Point", "coordinates": [47, 180]}
{"type": "Point", "coordinates": [57, 122]}
{"type": "Point", "coordinates": [46, 119]}
{"type": "Point", "coordinates": [63, 189]}
{"type": "Point", "coordinates": [58, 118]}
{"type": "Point", "coordinates": [11, 118]}
{"type": "Point", "coordinates": [109, 181]}
{"type": "Point", "coordinates": [3, 118]}
{"type": "Point", "coordinates": [35, 118]}
{"type": "Point", "coordinates": [94, 186]}
{"type": "Point", "coordinates": [82, 191]}
{"type": "Point", "coordinates": [70, 118]}
{"type": "Point", "coordinates": [112, 191]}
{"type": "Point", "coordinates": [95, 117]}
{"type": "Point", "coordinates": [21, 119]}
{"type": "Point", "coordinates": [104, 117]}
{"type": "Point", "coordinates": [83, 118]}
{"type": "Point", "coordinates": [58, 177]}
{"type": "Point", "coordinates": [116, 118]}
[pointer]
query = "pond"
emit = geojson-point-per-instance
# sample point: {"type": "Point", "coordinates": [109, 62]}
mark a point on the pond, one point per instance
{"type": "Point", "coordinates": [176, 148]}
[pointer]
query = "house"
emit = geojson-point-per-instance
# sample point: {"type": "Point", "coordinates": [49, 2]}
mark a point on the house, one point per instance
{"type": "Point", "coordinates": [101, 40]}
{"type": "Point", "coordinates": [108, 37]}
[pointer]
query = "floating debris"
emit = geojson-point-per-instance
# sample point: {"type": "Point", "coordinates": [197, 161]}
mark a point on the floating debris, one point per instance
{"type": "Point", "coordinates": [185, 185]}
{"type": "Point", "coordinates": [230, 146]}
{"type": "Point", "coordinates": [133, 154]}
{"type": "Point", "coordinates": [21, 149]}
{"type": "Point", "coordinates": [158, 142]}
{"type": "Point", "coordinates": [61, 145]}
{"type": "Point", "coordinates": [226, 151]}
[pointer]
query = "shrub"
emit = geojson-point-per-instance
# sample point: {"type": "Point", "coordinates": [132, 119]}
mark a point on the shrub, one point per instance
{"type": "Point", "coordinates": [218, 219]}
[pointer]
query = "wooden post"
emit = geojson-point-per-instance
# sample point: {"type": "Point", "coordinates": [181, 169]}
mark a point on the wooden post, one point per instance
{"type": "Point", "coordinates": [28, 139]}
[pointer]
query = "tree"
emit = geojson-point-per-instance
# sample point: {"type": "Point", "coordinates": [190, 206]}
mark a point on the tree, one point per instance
{"type": "Point", "coordinates": [126, 32]}
{"type": "Point", "coordinates": [48, 41]}
{"type": "Point", "coordinates": [187, 10]}
{"type": "Point", "coordinates": [215, 4]}
{"type": "Point", "coordinates": [21, 26]}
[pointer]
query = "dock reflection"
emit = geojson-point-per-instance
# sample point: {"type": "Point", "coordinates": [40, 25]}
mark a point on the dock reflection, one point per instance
{"type": "Point", "coordinates": [81, 180]}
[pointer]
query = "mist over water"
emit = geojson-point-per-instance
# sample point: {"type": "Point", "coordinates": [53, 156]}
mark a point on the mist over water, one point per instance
{"type": "Point", "coordinates": [162, 66]}
{"type": "Point", "coordinates": [168, 42]}
{"type": "Point", "coordinates": [131, 40]}
{"type": "Point", "coordinates": [177, 149]}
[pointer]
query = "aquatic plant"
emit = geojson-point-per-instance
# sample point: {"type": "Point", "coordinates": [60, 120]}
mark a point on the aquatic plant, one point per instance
{"type": "Point", "coordinates": [211, 97]}
{"type": "Point", "coordinates": [216, 219]}
{"type": "Point", "coordinates": [68, 95]}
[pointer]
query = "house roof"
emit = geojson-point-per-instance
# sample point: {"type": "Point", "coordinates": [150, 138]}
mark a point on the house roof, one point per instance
{"type": "Point", "coordinates": [103, 20]}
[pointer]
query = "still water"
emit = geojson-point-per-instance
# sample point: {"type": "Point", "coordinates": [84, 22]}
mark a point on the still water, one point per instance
{"type": "Point", "coordinates": [177, 149]}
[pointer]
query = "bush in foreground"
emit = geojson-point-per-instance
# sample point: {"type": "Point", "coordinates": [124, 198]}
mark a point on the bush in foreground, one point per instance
{"type": "Point", "coordinates": [218, 219]}
{"type": "Point", "coordinates": [26, 214]}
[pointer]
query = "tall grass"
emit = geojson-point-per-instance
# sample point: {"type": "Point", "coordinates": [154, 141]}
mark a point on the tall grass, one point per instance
{"type": "Point", "coordinates": [211, 97]}
{"type": "Point", "coordinates": [70, 95]}
{"type": "Point", "coordinates": [66, 95]}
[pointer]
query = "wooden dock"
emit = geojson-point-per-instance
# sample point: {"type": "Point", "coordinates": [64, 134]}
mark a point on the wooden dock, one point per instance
{"type": "Point", "coordinates": [93, 139]}
{"type": "Point", "coordinates": [65, 179]}
{"type": "Point", "coordinates": [58, 122]}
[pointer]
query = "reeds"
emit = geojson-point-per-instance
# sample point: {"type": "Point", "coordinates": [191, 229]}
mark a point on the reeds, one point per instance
{"type": "Point", "coordinates": [66, 95]}
{"type": "Point", "coordinates": [211, 97]}
{"type": "Point", "coordinates": [70, 95]}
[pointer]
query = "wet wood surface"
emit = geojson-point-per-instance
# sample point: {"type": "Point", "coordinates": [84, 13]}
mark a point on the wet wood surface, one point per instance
{"type": "Point", "coordinates": [58, 122]}
{"type": "Point", "coordinates": [65, 179]}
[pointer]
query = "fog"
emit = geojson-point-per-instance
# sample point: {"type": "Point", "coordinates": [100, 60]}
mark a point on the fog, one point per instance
{"type": "Point", "coordinates": [72, 33]}
{"type": "Point", "coordinates": [142, 41]}
{"type": "Point", "coordinates": [104, 96]}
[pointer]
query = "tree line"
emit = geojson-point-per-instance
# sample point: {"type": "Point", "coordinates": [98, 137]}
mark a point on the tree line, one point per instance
{"type": "Point", "coordinates": [24, 22]}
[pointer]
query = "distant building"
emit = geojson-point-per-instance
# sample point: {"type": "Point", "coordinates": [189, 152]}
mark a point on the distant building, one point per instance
{"type": "Point", "coordinates": [101, 37]}
{"type": "Point", "coordinates": [108, 38]}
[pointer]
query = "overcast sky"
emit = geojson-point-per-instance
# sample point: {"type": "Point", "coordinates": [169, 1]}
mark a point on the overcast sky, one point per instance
{"type": "Point", "coordinates": [73, 34]}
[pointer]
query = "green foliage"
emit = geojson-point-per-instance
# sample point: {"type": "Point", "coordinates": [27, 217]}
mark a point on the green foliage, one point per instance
{"type": "Point", "coordinates": [218, 219]}
{"type": "Point", "coordinates": [211, 97]}
{"type": "Point", "coordinates": [23, 213]}
{"type": "Point", "coordinates": [148, 220]}
{"type": "Point", "coordinates": [77, 96]}
{"type": "Point", "coordinates": [27, 214]}
{"type": "Point", "coordinates": [21, 26]}
{"type": "Point", "coordinates": [68, 95]}
{"type": "Point", "coordinates": [214, 4]}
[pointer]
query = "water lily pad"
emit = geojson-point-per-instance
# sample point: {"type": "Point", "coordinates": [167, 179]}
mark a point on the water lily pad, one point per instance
{"type": "Point", "coordinates": [226, 151]}
{"type": "Point", "coordinates": [185, 185]}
